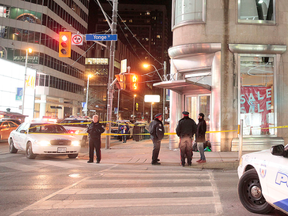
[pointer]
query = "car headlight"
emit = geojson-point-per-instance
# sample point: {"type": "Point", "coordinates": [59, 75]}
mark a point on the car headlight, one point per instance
{"type": "Point", "coordinates": [75, 143]}
{"type": "Point", "coordinates": [44, 143]}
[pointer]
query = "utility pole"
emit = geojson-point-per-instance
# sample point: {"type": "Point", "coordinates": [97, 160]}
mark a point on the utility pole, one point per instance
{"type": "Point", "coordinates": [111, 73]}
{"type": "Point", "coordinates": [164, 93]}
{"type": "Point", "coordinates": [118, 104]}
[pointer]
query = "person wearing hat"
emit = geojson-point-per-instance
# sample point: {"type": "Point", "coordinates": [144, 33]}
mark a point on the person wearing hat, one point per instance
{"type": "Point", "coordinates": [156, 130]}
{"type": "Point", "coordinates": [186, 129]}
{"type": "Point", "coordinates": [200, 137]}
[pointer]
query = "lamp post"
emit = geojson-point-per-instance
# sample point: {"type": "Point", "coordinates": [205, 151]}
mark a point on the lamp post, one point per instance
{"type": "Point", "coordinates": [134, 104]}
{"type": "Point", "coordinates": [87, 92]}
{"type": "Point", "coordinates": [26, 61]}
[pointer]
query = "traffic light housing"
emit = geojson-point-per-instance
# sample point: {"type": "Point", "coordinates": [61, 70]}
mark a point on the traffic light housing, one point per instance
{"type": "Point", "coordinates": [65, 44]}
{"type": "Point", "coordinates": [121, 81]}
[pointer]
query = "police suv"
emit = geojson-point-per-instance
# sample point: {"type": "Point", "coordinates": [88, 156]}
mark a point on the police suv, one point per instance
{"type": "Point", "coordinates": [263, 183]}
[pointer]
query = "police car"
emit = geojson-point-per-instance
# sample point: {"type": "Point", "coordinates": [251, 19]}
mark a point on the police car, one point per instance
{"type": "Point", "coordinates": [43, 138]}
{"type": "Point", "coordinates": [263, 183]}
{"type": "Point", "coordinates": [78, 127]}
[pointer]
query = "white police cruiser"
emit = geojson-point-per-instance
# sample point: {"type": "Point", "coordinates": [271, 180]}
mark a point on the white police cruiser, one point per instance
{"type": "Point", "coordinates": [43, 138]}
{"type": "Point", "coordinates": [263, 183]}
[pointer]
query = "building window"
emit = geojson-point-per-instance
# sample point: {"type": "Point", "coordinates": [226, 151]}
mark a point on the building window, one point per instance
{"type": "Point", "coordinates": [256, 11]}
{"type": "Point", "coordinates": [256, 99]}
{"type": "Point", "coordinates": [188, 11]}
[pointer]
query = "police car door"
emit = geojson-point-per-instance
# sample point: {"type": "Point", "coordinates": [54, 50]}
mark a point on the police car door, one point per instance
{"type": "Point", "coordinates": [277, 182]}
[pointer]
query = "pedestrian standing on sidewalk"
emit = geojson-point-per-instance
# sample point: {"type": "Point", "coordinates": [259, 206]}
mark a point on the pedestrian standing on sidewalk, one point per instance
{"type": "Point", "coordinates": [200, 137]}
{"type": "Point", "coordinates": [186, 129]}
{"type": "Point", "coordinates": [156, 130]}
{"type": "Point", "coordinates": [124, 129]}
{"type": "Point", "coordinates": [95, 130]}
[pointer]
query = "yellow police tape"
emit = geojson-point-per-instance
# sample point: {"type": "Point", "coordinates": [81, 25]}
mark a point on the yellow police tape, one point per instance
{"type": "Point", "coordinates": [116, 134]}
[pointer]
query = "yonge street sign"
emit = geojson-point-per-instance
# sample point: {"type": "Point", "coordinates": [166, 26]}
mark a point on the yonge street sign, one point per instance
{"type": "Point", "coordinates": [101, 37]}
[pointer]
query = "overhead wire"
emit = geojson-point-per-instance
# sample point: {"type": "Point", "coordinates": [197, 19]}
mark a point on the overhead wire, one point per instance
{"type": "Point", "coordinates": [135, 36]}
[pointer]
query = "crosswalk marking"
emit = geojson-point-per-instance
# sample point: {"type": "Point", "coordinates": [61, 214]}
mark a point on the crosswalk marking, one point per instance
{"type": "Point", "coordinates": [112, 203]}
{"type": "Point", "coordinates": [137, 190]}
{"type": "Point", "coordinates": [17, 166]}
{"type": "Point", "coordinates": [145, 181]}
{"type": "Point", "coordinates": [59, 164]}
{"type": "Point", "coordinates": [148, 194]}
{"type": "Point", "coordinates": [4, 156]}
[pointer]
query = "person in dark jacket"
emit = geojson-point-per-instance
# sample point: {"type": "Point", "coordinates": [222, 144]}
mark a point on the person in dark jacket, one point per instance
{"type": "Point", "coordinates": [186, 129]}
{"type": "Point", "coordinates": [95, 130]}
{"type": "Point", "coordinates": [200, 137]}
{"type": "Point", "coordinates": [156, 130]}
{"type": "Point", "coordinates": [124, 129]}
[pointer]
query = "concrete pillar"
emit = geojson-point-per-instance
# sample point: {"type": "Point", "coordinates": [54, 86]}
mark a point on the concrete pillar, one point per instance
{"type": "Point", "coordinates": [75, 108]}
{"type": "Point", "coordinates": [61, 111]}
{"type": "Point", "coordinates": [216, 102]}
{"type": "Point", "coordinates": [42, 106]}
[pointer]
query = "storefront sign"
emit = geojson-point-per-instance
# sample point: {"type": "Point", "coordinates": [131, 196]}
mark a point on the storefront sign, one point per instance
{"type": "Point", "coordinates": [256, 100]}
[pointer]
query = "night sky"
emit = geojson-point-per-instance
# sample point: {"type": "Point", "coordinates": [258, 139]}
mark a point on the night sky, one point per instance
{"type": "Point", "coordinates": [93, 5]}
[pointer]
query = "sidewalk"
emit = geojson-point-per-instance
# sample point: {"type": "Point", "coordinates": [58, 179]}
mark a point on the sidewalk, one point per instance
{"type": "Point", "coordinates": [140, 152]}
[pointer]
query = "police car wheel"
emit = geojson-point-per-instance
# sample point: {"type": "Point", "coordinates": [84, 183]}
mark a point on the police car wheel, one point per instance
{"type": "Point", "coordinates": [12, 149]}
{"type": "Point", "coordinates": [250, 193]}
{"type": "Point", "coordinates": [29, 151]}
{"type": "Point", "coordinates": [72, 155]}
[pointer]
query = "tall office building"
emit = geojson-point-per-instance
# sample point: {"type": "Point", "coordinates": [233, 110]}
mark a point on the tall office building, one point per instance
{"type": "Point", "coordinates": [36, 24]}
{"type": "Point", "coordinates": [149, 25]}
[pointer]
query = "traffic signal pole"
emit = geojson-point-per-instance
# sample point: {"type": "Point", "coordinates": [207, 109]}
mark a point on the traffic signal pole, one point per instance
{"type": "Point", "coordinates": [164, 93]}
{"type": "Point", "coordinates": [111, 73]}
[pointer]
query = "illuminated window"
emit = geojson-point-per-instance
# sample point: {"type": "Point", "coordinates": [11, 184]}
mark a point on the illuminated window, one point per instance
{"type": "Point", "coordinates": [256, 99]}
{"type": "Point", "coordinates": [147, 13]}
{"type": "Point", "coordinates": [130, 20]}
{"type": "Point", "coordinates": [158, 36]}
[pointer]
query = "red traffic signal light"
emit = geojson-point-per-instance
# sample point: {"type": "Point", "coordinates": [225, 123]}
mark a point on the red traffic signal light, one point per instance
{"type": "Point", "coordinates": [64, 44]}
{"type": "Point", "coordinates": [134, 82]}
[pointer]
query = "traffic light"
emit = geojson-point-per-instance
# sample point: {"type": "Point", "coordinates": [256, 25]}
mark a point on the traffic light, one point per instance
{"type": "Point", "coordinates": [134, 82]}
{"type": "Point", "coordinates": [64, 44]}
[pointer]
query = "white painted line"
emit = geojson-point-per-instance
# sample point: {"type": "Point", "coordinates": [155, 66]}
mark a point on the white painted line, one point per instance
{"type": "Point", "coordinates": [144, 181]}
{"type": "Point", "coordinates": [155, 175]}
{"type": "Point", "coordinates": [137, 190]}
{"type": "Point", "coordinates": [61, 164]}
{"type": "Point", "coordinates": [114, 203]}
{"type": "Point", "coordinates": [218, 205]}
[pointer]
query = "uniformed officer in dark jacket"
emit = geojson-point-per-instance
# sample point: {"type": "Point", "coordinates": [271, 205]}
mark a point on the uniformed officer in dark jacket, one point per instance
{"type": "Point", "coordinates": [94, 130]}
{"type": "Point", "coordinates": [156, 130]}
{"type": "Point", "coordinates": [200, 137]}
{"type": "Point", "coordinates": [186, 129]}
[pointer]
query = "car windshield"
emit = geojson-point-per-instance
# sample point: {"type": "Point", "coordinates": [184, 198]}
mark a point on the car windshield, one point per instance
{"type": "Point", "coordinates": [46, 128]}
{"type": "Point", "coordinates": [75, 123]}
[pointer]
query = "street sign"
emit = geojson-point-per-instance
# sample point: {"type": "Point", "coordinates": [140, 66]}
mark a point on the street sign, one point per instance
{"type": "Point", "coordinates": [77, 39]}
{"type": "Point", "coordinates": [101, 37]}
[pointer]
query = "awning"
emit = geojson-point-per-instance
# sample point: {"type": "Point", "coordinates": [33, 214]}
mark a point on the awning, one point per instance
{"type": "Point", "coordinates": [182, 86]}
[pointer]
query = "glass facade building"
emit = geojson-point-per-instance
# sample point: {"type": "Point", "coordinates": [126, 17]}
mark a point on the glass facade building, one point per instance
{"type": "Point", "coordinates": [36, 24]}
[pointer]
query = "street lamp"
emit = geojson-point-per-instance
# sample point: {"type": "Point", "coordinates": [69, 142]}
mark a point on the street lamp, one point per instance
{"type": "Point", "coordinates": [87, 92]}
{"type": "Point", "coordinates": [134, 104]}
{"type": "Point", "coordinates": [164, 91]}
{"type": "Point", "coordinates": [29, 50]}
{"type": "Point", "coordinates": [147, 65]}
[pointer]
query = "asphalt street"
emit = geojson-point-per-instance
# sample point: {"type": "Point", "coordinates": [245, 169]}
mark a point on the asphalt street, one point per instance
{"type": "Point", "coordinates": [57, 185]}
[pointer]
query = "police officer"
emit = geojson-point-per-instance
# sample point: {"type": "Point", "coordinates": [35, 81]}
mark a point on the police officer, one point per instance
{"type": "Point", "coordinates": [156, 130]}
{"type": "Point", "coordinates": [94, 130]}
{"type": "Point", "coordinates": [186, 129]}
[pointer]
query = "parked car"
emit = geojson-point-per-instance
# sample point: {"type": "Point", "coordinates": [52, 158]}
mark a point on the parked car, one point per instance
{"type": "Point", "coordinates": [77, 126]}
{"type": "Point", "coordinates": [17, 121]}
{"type": "Point", "coordinates": [263, 183]}
{"type": "Point", "coordinates": [6, 127]}
{"type": "Point", "coordinates": [43, 138]}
